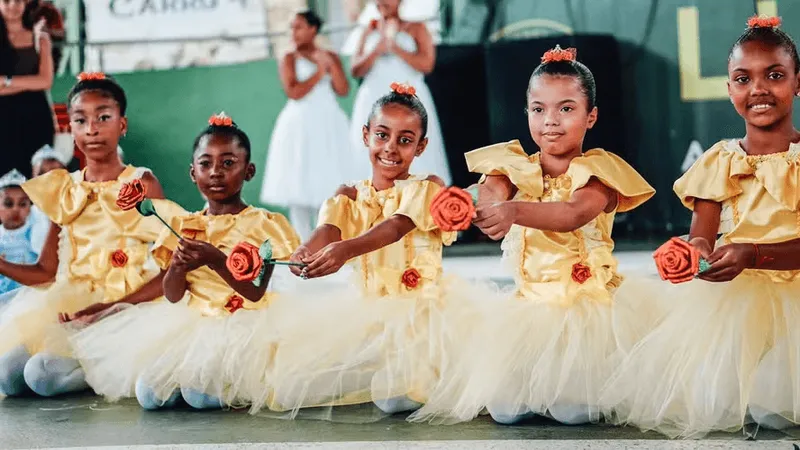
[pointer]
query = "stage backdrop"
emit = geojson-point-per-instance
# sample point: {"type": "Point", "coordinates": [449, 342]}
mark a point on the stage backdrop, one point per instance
{"type": "Point", "coordinates": [125, 21]}
{"type": "Point", "coordinates": [672, 60]}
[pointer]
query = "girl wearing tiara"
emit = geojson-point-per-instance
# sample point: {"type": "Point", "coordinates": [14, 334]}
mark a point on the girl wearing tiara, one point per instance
{"type": "Point", "coordinates": [549, 347]}
{"type": "Point", "coordinates": [16, 232]}
{"type": "Point", "coordinates": [309, 150]}
{"type": "Point", "coordinates": [392, 345]}
{"type": "Point", "coordinates": [161, 352]}
{"type": "Point", "coordinates": [391, 49]}
{"type": "Point", "coordinates": [730, 344]}
{"type": "Point", "coordinates": [94, 253]}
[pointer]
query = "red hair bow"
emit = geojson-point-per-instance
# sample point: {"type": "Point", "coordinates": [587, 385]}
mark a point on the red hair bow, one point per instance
{"type": "Point", "coordinates": [559, 54]}
{"type": "Point", "coordinates": [403, 88]}
{"type": "Point", "coordinates": [90, 76]}
{"type": "Point", "coordinates": [220, 120]}
{"type": "Point", "coordinates": [763, 22]}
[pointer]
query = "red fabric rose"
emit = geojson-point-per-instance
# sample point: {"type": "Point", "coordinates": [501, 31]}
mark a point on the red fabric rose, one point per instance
{"type": "Point", "coordinates": [119, 259]}
{"type": "Point", "coordinates": [677, 261]}
{"type": "Point", "coordinates": [411, 278]}
{"type": "Point", "coordinates": [131, 194]}
{"type": "Point", "coordinates": [581, 273]}
{"type": "Point", "coordinates": [234, 304]}
{"type": "Point", "coordinates": [244, 262]}
{"type": "Point", "coordinates": [452, 209]}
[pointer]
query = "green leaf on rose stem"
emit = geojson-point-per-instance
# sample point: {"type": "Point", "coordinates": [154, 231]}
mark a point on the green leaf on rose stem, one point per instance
{"type": "Point", "coordinates": [146, 207]}
{"type": "Point", "coordinates": [703, 266]}
{"type": "Point", "coordinates": [265, 251]}
{"type": "Point", "coordinates": [473, 191]}
{"type": "Point", "coordinates": [260, 278]}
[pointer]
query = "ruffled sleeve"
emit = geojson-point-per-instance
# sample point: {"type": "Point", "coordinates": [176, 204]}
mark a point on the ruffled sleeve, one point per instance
{"type": "Point", "coordinates": [614, 172]}
{"type": "Point", "coordinates": [276, 228]}
{"type": "Point", "coordinates": [57, 195]}
{"type": "Point", "coordinates": [415, 198]}
{"type": "Point", "coordinates": [713, 177]}
{"type": "Point", "coordinates": [166, 243]}
{"type": "Point", "coordinates": [351, 217]}
{"type": "Point", "coordinates": [508, 159]}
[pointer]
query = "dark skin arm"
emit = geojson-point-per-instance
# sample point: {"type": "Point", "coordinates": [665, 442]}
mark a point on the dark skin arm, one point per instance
{"type": "Point", "coordinates": [43, 80]}
{"type": "Point", "coordinates": [338, 78]}
{"type": "Point", "coordinates": [424, 58]}
{"type": "Point", "coordinates": [43, 271]}
{"type": "Point", "coordinates": [331, 258]}
{"type": "Point", "coordinates": [323, 235]}
{"type": "Point", "coordinates": [297, 89]}
{"type": "Point", "coordinates": [192, 254]}
{"type": "Point", "coordinates": [586, 203]}
{"type": "Point", "coordinates": [149, 291]}
{"type": "Point", "coordinates": [728, 261]}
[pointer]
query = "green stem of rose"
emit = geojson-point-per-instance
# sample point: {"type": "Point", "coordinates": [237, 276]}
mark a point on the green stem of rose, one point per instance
{"type": "Point", "coordinates": [286, 263]}
{"type": "Point", "coordinates": [167, 225]}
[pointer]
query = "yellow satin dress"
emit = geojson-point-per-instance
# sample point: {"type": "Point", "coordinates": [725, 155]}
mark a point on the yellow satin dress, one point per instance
{"type": "Point", "coordinates": [198, 342]}
{"type": "Point", "coordinates": [382, 338]}
{"type": "Point", "coordinates": [724, 346]}
{"type": "Point", "coordinates": [552, 340]}
{"type": "Point", "coordinates": [93, 229]}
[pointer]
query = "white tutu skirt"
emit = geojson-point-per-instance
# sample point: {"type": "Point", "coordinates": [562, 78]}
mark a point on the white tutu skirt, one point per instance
{"type": "Point", "coordinates": [375, 85]}
{"type": "Point", "coordinates": [531, 355]}
{"type": "Point", "coordinates": [30, 318]}
{"type": "Point", "coordinates": [705, 362]}
{"type": "Point", "coordinates": [346, 349]}
{"type": "Point", "coordinates": [309, 155]}
{"type": "Point", "coordinates": [169, 346]}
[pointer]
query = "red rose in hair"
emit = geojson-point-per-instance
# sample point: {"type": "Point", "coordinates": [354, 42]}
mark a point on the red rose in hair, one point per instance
{"type": "Point", "coordinates": [234, 304]}
{"type": "Point", "coordinates": [403, 88]}
{"type": "Point", "coordinates": [581, 273]}
{"type": "Point", "coordinates": [131, 194]}
{"type": "Point", "coordinates": [411, 278]}
{"type": "Point", "coordinates": [559, 54]}
{"type": "Point", "coordinates": [373, 24]}
{"type": "Point", "coordinates": [763, 22]}
{"type": "Point", "coordinates": [119, 258]}
{"type": "Point", "coordinates": [91, 76]}
{"type": "Point", "coordinates": [452, 209]}
{"type": "Point", "coordinates": [244, 262]}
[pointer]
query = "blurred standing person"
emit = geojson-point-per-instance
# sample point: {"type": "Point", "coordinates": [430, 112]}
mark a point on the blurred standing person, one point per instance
{"type": "Point", "coordinates": [26, 76]}
{"type": "Point", "coordinates": [46, 17]}
{"type": "Point", "coordinates": [309, 155]}
{"type": "Point", "coordinates": [393, 50]}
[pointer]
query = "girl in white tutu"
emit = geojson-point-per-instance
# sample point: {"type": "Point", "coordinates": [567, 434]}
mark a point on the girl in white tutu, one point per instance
{"type": "Point", "coordinates": [163, 351]}
{"type": "Point", "coordinates": [548, 347]}
{"type": "Point", "coordinates": [732, 345]}
{"type": "Point", "coordinates": [393, 50]}
{"type": "Point", "coordinates": [309, 154]}
{"type": "Point", "coordinates": [383, 341]}
{"type": "Point", "coordinates": [95, 253]}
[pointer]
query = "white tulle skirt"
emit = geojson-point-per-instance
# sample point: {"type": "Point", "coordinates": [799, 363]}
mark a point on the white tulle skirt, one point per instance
{"type": "Point", "coordinates": [722, 347]}
{"type": "Point", "coordinates": [170, 346]}
{"type": "Point", "coordinates": [348, 349]}
{"type": "Point", "coordinates": [532, 355]}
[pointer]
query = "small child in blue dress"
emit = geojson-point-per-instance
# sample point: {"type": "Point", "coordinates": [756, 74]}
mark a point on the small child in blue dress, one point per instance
{"type": "Point", "coordinates": [16, 231]}
{"type": "Point", "coordinates": [44, 160]}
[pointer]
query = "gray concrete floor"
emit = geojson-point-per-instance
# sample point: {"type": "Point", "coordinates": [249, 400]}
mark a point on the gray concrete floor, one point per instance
{"type": "Point", "coordinates": [87, 421]}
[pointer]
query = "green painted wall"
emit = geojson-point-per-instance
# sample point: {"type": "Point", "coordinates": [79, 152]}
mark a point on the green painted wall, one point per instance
{"type": "Point", "coordinates": [168, 109]}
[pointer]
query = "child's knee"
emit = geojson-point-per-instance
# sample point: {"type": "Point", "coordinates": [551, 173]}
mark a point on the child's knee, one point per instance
{"type": "Point", "coordinates": [148, 400]}
{"type": "Point", "coordinates": [199, 400]}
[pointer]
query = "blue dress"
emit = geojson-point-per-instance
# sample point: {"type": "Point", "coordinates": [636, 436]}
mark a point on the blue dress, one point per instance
{"type": "Point", "coordinates": [16, 246]}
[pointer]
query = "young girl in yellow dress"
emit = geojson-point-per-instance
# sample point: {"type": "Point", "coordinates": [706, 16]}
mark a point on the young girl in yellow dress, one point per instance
{"type": "Point", "coordinates": [94, 253]}
{"type": "Point", "coordinates": [162, 351]}
{"type": "Point", "coordinates": [383, 345]}
{"type": "Point", "coordinates": [547, 348]}
{"type": "Point", "coordinates": [731, 341]}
